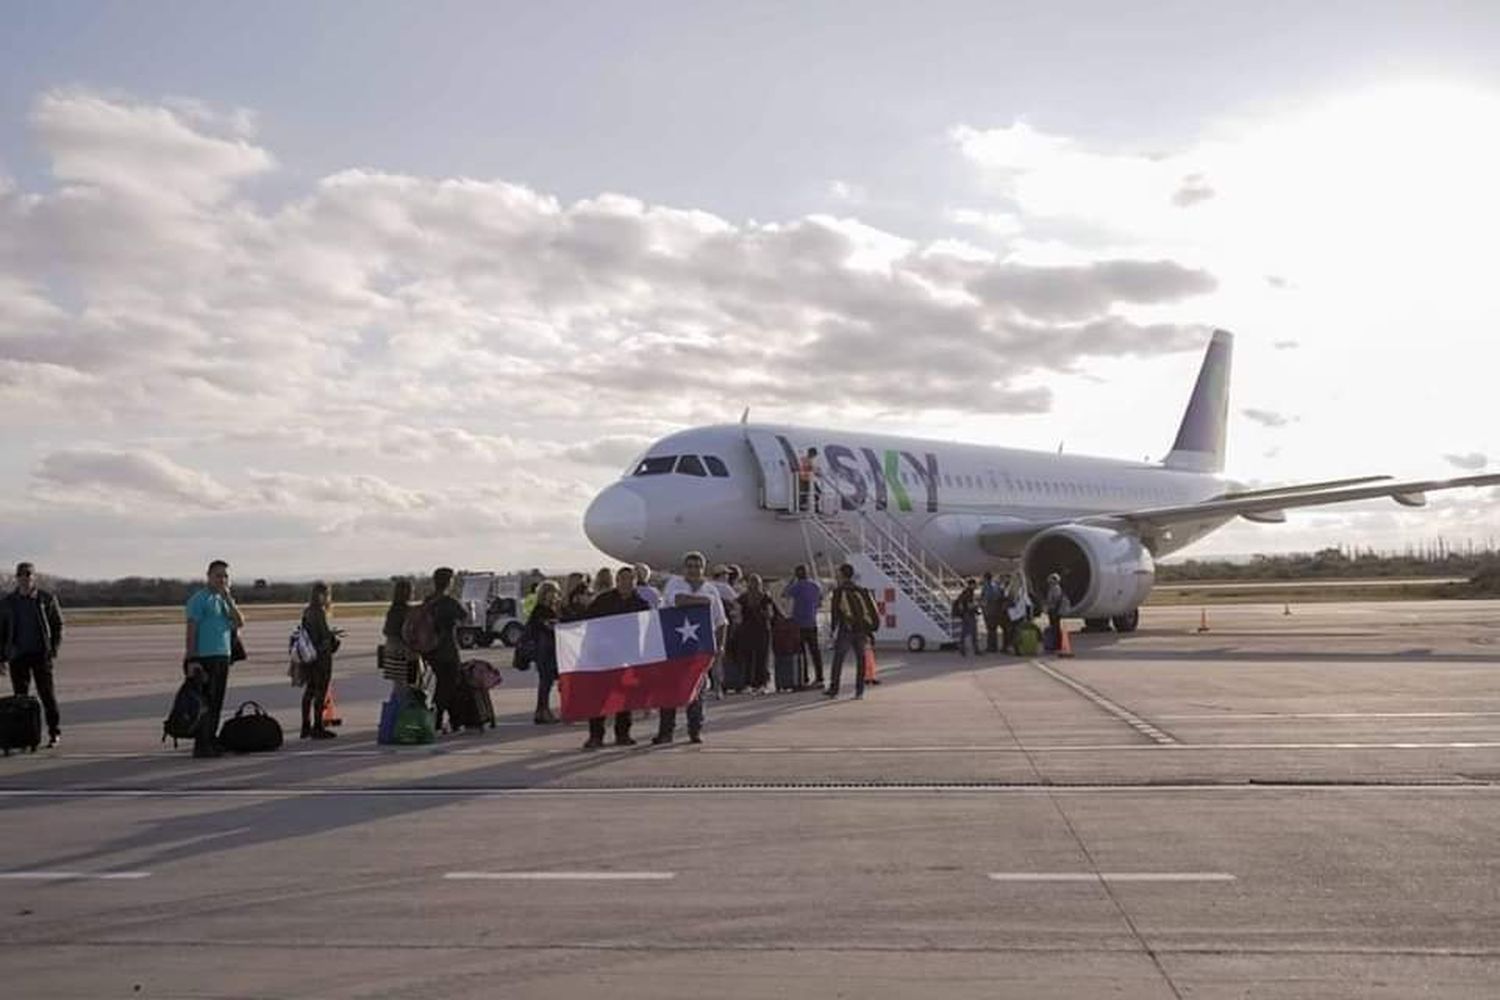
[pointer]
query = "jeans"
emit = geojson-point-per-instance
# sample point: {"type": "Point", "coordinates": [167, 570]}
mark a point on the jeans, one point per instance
{"type": "Point", "coordinates": [319, 675]}
{"type": "Point", "coordinates": [546, 677]}
{"type": "Point", "coordinates": [215, 685]}
{"type": "Point", "coordinates": [991, 634]}
{"type": "Point", "coordinates": [668, 723]}
{"type": "Point", "coordinates": [810, 647]}
{"type": "Point", "coordinates": [843, 642]}
{"type": "Point", "coordinates": [968, 628]}
{"type": "Point", "coordinates": [28, 666]}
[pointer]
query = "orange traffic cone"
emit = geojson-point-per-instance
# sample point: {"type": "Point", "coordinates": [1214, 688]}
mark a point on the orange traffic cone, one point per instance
{"type": "Point", "coordinates": [1064, 646]}
{"type": "Point", "coordinates": [1203, 620]}
{"type": "Point", "coordinates": [331, 709]}
{"type": "Point", "coordinates": [868, 666]}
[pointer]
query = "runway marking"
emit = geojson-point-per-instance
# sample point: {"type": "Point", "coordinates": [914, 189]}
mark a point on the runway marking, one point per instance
{"type": "Point", "coordinates": [51, 876]}
{"type": "Point", "coordinates": [824, 788]}
{"type": "Point", "coordinates": [1263, 716]}
{"type": "Point", "coordinates": [559, 876]}
{"type": "Point", "coordinates": [738, 751]}
{"type": "Point", "coordinates": [1120, 712]}
{"type": "Point", "coordinates": [1111, 877]}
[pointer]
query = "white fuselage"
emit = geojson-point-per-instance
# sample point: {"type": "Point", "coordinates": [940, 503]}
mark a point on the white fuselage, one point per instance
{"type": "Point", "coordinates": [945, 494]}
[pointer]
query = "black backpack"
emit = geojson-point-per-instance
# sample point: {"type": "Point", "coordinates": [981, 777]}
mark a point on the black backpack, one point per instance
{"type": "Point", "coordinates": [188, 710]}
{"type": "Point", "coordinates": [256, 732]}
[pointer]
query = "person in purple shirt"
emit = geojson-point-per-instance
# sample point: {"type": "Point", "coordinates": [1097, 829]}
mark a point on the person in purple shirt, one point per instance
{"type": "Point", "coordinates": [806, 597]}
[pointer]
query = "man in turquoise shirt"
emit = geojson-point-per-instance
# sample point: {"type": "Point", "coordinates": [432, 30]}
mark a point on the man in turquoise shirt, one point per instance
{"type": "Point", "coordinates": [212, 617]}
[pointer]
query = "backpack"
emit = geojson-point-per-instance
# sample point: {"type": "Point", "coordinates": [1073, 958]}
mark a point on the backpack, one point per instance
{"type": "Point", "coordinates": [300, 646]}
{"type": "Point", "coordinates": [526, 650]}
{"type": "Point", "coordinates": [863, 615]}
{"type": "Point", "coordinates": [419, 631]}
{"type": "Point", "coordinates": [189, 707]}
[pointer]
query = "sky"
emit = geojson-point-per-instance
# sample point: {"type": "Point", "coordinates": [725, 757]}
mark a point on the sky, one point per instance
{"type": "Point", "coordinates": [359, 288]}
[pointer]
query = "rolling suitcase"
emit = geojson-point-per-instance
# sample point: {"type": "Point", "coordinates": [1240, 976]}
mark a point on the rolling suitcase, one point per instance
{"type": "Point", "coordinates": [787, 674]}
{"type": "Point", "coordinates": [471, 708]}
{"type": "Point", "coordinates": [20, 723]}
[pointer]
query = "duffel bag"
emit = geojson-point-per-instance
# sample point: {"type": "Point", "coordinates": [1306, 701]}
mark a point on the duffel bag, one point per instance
{"type": "Point", "coordinates": [250, 732]}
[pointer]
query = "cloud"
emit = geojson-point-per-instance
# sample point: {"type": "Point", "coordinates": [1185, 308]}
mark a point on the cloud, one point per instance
{"type": "Point", "coordinates": [1266, 418]}
{"type": "Point", "coordinates": [118, 476]}
{"type": "Point", "coordinates": [1471, 461]}
{"type": "Point", "coordinates": [365, 347]}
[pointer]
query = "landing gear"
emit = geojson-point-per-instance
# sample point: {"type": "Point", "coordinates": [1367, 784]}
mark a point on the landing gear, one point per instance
{"type": "Point", "coordinates": [467, 638]}
{"type": "Point", "coordinates": [1128, 621]}
{"type": "Point", "coordinates": [1096, 624]}
{"type": "Point", "coordinates": [915, 644]}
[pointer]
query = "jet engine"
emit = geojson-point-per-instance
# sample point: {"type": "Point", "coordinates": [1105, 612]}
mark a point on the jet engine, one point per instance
{"type": "Point", "coordinates": [1104, 573]}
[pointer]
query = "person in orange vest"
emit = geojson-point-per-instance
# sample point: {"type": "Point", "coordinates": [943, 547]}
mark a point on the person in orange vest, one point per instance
{"type": "Point", "coordinates": [807, 474]}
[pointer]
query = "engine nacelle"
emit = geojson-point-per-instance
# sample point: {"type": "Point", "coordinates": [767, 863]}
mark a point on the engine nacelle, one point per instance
{"type": "Point", "coordinates": [1104, 572]}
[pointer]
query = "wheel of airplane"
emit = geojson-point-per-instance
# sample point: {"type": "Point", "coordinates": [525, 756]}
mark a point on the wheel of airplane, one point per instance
{"type": "Point", "coordinates": [1128, 621]}
{"type": "Point", "coordinates": [1096, 624]}
{"type": "Point", "coordinates": [915, 643]}
{"type": "Point", "coordinates": [485, 639]}
{"type": "Point", "coordinates": [466, 638]}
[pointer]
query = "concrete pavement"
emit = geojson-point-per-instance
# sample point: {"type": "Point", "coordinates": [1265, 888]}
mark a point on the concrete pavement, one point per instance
{"type": "Point", "coordinates": [1317, 815]}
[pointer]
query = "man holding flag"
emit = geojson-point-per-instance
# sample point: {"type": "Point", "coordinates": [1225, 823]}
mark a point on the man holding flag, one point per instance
{"type": "Point", "coordinates": [640, 659]}
{"type": "Point", "coordinates": [693, 591]}
{"type": "Point", "coordinates": [622, 600]}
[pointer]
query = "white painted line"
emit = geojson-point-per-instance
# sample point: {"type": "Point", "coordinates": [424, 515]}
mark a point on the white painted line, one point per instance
{"type": "Point", "coordinates": [471, 792]}
{"type": "Point", "coordinates": [49, 876]}
{"type": "Point", "coordinates": [1120, 712]}
{"type": "Point", "coordinates": [559, 876]}
{"type": "Point", "coordinates": [1331, 716]}
{"type": "Point", "coordinates": [1111, 877]}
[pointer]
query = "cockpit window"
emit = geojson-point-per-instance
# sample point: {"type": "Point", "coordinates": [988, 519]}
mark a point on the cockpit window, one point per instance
{"type": "Point", "coordinates": [690, 465]}
{"type": "Point", "coordinates": [655, 465]}
{"type": "Point", "coordinates": [716, 467]}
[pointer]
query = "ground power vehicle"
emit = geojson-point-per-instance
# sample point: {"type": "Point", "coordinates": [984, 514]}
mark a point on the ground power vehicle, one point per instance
{"type": "Point", "coordinates": [493, 601]}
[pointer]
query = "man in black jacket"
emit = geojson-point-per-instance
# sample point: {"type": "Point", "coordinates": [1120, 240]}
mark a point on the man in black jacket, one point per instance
{"type": "Point", "coordinates": [621, 600]}
{"type": "Point", "coordinates": [31, 628]}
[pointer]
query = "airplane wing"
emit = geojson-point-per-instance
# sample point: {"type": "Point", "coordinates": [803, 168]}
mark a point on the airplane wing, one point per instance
{"type": "Point", "coordinates": [1008, 536]}
{"type": "Point", "coordinates": [1269, 505]}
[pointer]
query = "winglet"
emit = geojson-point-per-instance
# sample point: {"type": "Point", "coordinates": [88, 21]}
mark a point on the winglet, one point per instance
{"type": "Point", "coordinates": [1200, 440]}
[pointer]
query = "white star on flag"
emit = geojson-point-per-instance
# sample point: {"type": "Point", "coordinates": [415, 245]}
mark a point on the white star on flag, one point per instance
{"type": "Point", "coordinates": [688, 630]}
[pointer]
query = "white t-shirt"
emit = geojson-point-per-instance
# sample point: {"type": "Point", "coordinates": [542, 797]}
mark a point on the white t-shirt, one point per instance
{"type": "Point", "coordinates": [677, 585]}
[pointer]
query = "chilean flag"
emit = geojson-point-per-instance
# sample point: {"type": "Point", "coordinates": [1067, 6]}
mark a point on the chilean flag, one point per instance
{"type": "Point", "coordinates": [644, 659]}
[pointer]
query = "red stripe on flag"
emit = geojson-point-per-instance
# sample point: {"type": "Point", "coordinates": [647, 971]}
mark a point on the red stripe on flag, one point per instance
{"type": "Point", "coordinates": [662, 684]}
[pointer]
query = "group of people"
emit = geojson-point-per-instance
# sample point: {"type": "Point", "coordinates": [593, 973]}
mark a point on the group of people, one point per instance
{"type": "Point", "coordinates": [743, 614]}
{"type": "Point", "coordinates": [1003, 606]}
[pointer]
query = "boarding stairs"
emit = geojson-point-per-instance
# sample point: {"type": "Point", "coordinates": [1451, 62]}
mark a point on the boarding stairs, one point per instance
{"type": "Point", "coordinates": [914, 587]}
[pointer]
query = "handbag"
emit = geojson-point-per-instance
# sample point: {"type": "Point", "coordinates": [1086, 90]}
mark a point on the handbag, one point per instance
{"type": "Point", "coordinates": [255, 732]}
{"type": "Point", "coordinates": [236, 648]}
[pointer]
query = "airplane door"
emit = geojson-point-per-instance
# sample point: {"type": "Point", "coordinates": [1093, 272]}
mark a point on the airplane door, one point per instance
{"type": "Point", "coordinates": [774, 458]}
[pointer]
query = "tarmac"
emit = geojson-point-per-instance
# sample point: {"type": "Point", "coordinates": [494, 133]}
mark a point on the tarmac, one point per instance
{"type": "Point", "coordinates": [1302, 805]}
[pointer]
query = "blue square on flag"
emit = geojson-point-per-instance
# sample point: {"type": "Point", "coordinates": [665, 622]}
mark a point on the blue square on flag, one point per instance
{"type": "Point", "coordinates": [687, 630]}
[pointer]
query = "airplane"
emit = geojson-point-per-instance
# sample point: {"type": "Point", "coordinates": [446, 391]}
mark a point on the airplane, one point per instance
{"type": "Point", "coordinates": [732, 492]}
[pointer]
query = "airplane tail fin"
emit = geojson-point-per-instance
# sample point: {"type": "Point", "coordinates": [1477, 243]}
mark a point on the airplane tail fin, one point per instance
{"type": "Point", "coordinates": [1200, 440]}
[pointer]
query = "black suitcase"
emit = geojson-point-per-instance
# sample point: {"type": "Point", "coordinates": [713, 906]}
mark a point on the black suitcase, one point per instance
{"type": "Point", "coordinates": [471, 708]}
{"type": "Point", "coordinates": [787, 674]}
{"type": "Point", "coordinates": [20, 723]}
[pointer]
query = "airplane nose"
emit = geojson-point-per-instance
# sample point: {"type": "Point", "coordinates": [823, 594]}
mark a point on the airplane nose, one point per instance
{"type": "Point", "coordinates": [616, 522]}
